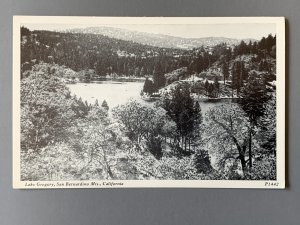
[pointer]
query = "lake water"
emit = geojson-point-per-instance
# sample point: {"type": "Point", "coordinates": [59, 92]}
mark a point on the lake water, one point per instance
{"type": "Point", "coordinates": [118, 93]}
{"type": "Point", "coordinates": [114, 93]}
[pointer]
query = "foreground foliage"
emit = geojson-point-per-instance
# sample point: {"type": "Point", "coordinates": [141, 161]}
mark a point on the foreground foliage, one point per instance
{"type": "Point", "coordinates": [64, 138]}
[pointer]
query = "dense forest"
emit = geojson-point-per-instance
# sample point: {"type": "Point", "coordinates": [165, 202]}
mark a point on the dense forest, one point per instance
{"type": "Point", "coordinates": [65, 138]}
{"type": "Point", "coordinates": [105, 55]}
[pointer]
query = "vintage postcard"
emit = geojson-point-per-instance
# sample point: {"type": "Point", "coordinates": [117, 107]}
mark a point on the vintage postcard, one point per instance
{"type": "Point", "coordinates": [123, 102]}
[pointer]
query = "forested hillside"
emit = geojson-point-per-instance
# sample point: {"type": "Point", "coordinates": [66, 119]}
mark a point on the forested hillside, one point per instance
{"type": "Point", "coordinates": [80, 51]}
{"type": "Point", "coordinates": [158, 40]}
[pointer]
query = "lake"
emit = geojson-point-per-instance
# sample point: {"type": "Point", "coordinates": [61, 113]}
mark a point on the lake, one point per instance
{"type": "Point", "coordinates": [114, 93]}
{"type": "Point", "coordinates": [118, 93]}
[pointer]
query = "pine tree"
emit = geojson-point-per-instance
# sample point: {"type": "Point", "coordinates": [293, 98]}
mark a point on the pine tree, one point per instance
{"type": "Point", "coordinates": [105, 105]}
{"type": "Point", "coordinates": [239, 74]}
{"type": "Point", "coordinates": [206, 86]}
{"type": "Point", "coordinates": [86, 104]}
{"type": "Point", "coordinates": [82, 107]}
{"type": "Point", "coordinates": [137, 72]}
{"type": "Point", "coordinates": [148, 86]}
{"type": "Point", "coordinates": [198, 119]}
{"type": "Point", "coordinates": [254, 98]}
{"type": "Point", "coordinates": [249, 47]}
{"type": "Point", "coordinates": [254, 48]}
{"type": "Point", "coordinates": [216, 86]}
{"type": "Point", "coordinates": [25, 31]}
{"type": "Point", "coordinates": [96, 103]}
{"type": "Point", "coordinates": [225, 71]}
{"type": "Point", "coordinates": [142, 72]}
{"type": "Point", "coordinates": [158, 77]}
{"type": "Point", "coordinates": [185, 112]}
{"type": "Point", "coordinates": [199, 65]}
{"type": "Point", "coordinates": [210, 90]}
{"type": "Point", "coordinates": [270, 42]}
{"type": "Point", "coordinates": [242, 48]}
{"type": "Point", "coordinates": [262, 43]}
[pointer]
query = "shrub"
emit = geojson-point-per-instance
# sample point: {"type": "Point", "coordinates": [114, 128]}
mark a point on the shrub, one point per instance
{"type": "Point", "coordinates": [202, 162]}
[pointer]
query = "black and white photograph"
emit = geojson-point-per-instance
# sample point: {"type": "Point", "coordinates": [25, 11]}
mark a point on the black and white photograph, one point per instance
{"type": "Point", "coordinates": [104, 102]}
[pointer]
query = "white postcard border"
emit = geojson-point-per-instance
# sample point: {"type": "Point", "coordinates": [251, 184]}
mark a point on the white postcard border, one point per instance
{"type": "Point", "coordinates": [280, 101]}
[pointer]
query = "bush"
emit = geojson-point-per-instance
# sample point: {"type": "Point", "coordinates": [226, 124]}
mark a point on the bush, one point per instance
{"type": "Point", "coordinates": [202, 162]}
{"type": "Point", "coordinates": [264, 169]}
{"type": "Point", "coordinates": [55, 162]}
{"type": "Point", "coordinates": [154, 146]}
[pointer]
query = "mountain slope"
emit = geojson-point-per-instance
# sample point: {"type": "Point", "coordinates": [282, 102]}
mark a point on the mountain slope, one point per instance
{"type": "Point", "coordinates": [158, 40]}
{"type": "Point", "coordinates": [105, 55]}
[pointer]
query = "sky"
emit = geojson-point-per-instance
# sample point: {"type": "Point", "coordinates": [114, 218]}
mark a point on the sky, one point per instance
{"type": "Point", "coordinates": [238, 31]}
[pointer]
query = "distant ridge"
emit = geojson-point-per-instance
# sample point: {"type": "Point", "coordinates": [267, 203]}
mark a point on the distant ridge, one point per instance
{"type": "Point", "coordinates": [158, 40]}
